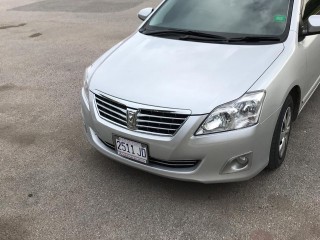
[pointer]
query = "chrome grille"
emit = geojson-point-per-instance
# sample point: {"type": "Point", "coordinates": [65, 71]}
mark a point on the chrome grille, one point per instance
{"type": "Point", "coordinates": [160, 122]}
{"type": "Point", "coordinates": [111, 110]}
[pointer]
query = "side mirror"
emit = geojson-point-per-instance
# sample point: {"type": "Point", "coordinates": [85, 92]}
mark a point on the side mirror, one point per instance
{"type": "Point", "coordinates": [144, 13]}
{"type": "Point", "coordinates": [314, 25]}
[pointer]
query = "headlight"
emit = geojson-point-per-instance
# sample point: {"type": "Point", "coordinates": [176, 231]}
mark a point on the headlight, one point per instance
{"type": "Point", "coordinates": [86, 83]}
{"type": "Point", "coordinates": [241, 113]}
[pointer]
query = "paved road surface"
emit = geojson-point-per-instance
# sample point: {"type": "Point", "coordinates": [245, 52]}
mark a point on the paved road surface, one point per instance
{"type": "Point", "coordinates": [53, 185]}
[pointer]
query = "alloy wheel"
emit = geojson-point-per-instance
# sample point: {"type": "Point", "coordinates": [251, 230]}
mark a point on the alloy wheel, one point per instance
{"type": "Point", "coordinates": [285, 132]}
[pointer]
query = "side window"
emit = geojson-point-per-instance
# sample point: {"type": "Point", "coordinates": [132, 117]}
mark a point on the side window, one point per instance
{"type": "Point", "coordinates": [312, 8]}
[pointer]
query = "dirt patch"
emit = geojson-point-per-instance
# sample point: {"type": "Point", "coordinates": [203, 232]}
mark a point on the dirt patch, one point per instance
{"type": "Point", "coordinates": [12, 26]}
{"type": "Point", "coordinates": [13, 135]}
{"type": "Point", "coordinates": [35, 35]}
{"type": "Point", "coordinates": [24, 139]}
{"type": "Point", "coordinates": [280, 202]}
{"type": "Point", "coordinates": [7, 87]}
{"type": "Point", "coordinates": [12, 229]}
{"type": "Point", "coordinates": [261, 235]}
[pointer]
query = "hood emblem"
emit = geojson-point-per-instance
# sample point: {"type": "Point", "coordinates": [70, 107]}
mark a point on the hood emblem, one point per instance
{"type": "Point", "coordinates": [131, 118]}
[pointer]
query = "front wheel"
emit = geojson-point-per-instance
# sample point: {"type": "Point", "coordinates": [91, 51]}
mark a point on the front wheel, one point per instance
{"type": "Point", "coordinates": [281, 135]}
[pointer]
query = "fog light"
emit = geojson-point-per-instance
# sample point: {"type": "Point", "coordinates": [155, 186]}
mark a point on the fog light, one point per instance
{"type": "Point", "coordinates": [243, 160]}
{"type": "Point", "coordinates": [238, 164]}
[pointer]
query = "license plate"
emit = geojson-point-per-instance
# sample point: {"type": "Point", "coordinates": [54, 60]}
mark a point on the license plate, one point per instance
{"type": "Point", "coordinates": [131, 149]}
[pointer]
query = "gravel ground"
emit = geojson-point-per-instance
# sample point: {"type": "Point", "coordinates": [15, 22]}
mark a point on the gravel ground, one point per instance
{"type": "Point", "coordinates": [54, 185]}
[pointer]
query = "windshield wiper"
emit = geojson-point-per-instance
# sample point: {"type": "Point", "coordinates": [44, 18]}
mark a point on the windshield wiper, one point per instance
{"type": "Point", "coordinates": [203, 36]}
{"type": "Point", "coordinates": [186, 34]}
{"type": "Point", "coordinates": [255, 39]}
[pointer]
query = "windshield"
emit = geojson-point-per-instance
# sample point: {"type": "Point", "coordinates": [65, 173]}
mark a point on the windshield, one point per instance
{"type": "Point", "coordinates": [228, 17]}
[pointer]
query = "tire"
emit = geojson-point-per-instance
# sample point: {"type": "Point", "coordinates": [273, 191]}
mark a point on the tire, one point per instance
{"type": "Point", "coordinates": [281, 135]}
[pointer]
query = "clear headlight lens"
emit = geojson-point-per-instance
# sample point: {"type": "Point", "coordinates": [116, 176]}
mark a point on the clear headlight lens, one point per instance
{"type": "Point", "coordinates": [86, 83]}
{"type": "Point", "coordinates": [241, 113]}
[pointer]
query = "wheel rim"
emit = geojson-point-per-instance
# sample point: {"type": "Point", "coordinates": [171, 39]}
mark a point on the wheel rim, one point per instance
{"type": "Point", "coordinates": [285, 132]}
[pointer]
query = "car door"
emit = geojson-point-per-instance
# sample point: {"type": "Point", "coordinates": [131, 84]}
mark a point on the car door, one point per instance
{"type": "Point", "coordinates": [312, 46]}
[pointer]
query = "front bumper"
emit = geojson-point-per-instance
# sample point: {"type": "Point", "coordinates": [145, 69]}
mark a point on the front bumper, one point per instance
{"type": "Point", "coordinates": [213, 150]}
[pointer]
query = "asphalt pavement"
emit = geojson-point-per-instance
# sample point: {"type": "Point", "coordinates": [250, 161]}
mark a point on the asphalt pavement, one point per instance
{"type": "Point", "coordinates": [54, 185]}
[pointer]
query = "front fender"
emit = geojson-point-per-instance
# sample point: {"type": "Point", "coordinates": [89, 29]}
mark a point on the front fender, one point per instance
{"type": "Point", "coordinates": [287, 71]}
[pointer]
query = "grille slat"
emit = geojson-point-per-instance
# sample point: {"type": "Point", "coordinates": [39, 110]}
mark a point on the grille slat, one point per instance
{"type": "Point", "coordinates": [111, 110]}
{"type": "Point", "coordinates": [111, 102]}
{"type": "Point", "coordinates": [124, 116]}
{"type": "Point", "coordinates": [154, 116]}
{"type": "Point", "coordinates": [108, 105]}
{"type": "Point", "coordinates": [155, 127]}
{"type": "Point", "coordinates": [180, 164]}
{"type": "Point", "coordinates": [112, 118]}
{"type": "Point", "coordinates": [155, 122]}
{"type": "Point", "coordinates": [164, 123]}
{"type": "Point", "coordinates": [159, 122]}
{"type": "Point", "coordinates": [156, 133]}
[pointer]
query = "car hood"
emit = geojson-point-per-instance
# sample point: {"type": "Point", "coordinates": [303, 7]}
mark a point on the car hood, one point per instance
{"type": "Point", "coordinates": [182, 74]}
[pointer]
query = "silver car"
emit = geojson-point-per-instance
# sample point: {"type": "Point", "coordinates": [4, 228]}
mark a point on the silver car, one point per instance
{"type": "Point", "coordinates": [205, 90]}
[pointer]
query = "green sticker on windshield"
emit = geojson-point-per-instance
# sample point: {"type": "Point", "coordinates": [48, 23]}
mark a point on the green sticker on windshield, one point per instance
{"type": "Point", "coordinates": [280, 18]}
